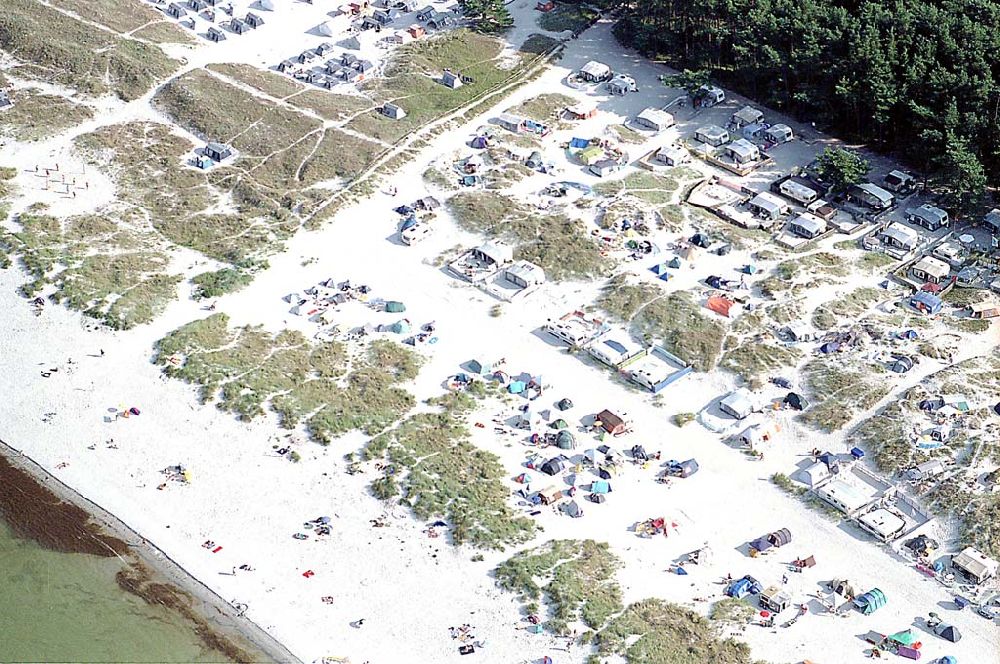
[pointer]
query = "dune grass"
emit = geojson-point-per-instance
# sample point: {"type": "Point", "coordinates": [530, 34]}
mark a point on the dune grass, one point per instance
{"type": "Point", "coordinates": [557, 243]}
{"type": "Point", "coordinates": [329, 105]}
{"type": "Point", "coordinates": [675, 320]}
{"type": "Point", "coordinates": [147, 161]}
{"type": "Point", "coordinates": [576, 579]}
{"type": "Point", "coordinates": [36, 116]}
{"type": "Point", "coordinates": [262, 80]}
{"type": "Point", "coordinates": [53, 47]}
{"type": "Point", "coordinates": [117, 15]}
{"type": "Point", "coordinates": [839, 393]}
{"type": "Point", "coordinates": [544, 107]}
{"type": "Point", "coordinates": [222, 112]}
{"type": "Point", "coordinates": [108, 268]}
{"type": "Point", "coordinates": [753, 359]}
{"type": "Point", "coordinates": [410, 80]}
{"type": "Point", "coordinates": [655, 632]}
{"type": "Point", "coordinates": [319, 386]}
{"type": "Point", "coordinates": [438, 473]}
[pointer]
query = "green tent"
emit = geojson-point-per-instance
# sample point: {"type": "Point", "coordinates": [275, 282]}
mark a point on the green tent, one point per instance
{"type": "Point", "coordinates": [565, 440]}
{"type": "Point", "coordinates": [906, 637]}
{"type": "Point", "coordinates": [871, 601]}
{"type": "Point", "coordinates": [394, 307]}
{"type": "Point", "coordinates": [590, 155]}
{"type": "Point", "coordinates": [559, 424]}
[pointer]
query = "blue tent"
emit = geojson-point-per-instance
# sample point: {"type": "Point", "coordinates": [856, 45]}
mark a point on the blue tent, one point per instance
{"type": "Point", "coordinates": [829, 347]}
{"type": "Point", "coordinates": [400, 327]}
{"type": "Point", "coordinates": [857, 453]}
{"type": "Point", "coordinates": [743, 587]}
{"type": "Point", "coordinates": [600, 486]}
{"type": "Point", "coordinates": [750, 269]}
{"type": "Point", "coordinates": [409, 222]}
{"type": "Point", "coordinates": [578, 143]}
{"type": "Point", "coordinates": [909, 334]}
{"type": "Point", "coordinates": [533, 126]}
{"type": "Point", "coordinates": [480, 142]}
{"type": "Point", "coordinates": [926, 303]}
{"type": "Point", "coordinates": [404, 210]}
{"type": "Point", "coordinates": [761, 544]}
{"type": "Point", "coordinates": [714, 281]}
{"type": "Point", "coordinates": [516, 386]}
{"type": "Point", "coordinates": [659, 269]}
{"type": "Point", "coordinates": [680, 571]}
{"type": "Point", "coordinates": [665, 276]}
{"type": "Point", "coordinates": [947, 659]}
{"type": "Point", "coordinates": [480, 367]}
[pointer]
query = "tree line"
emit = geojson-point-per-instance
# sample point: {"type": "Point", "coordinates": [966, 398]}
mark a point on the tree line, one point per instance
{"type": "Point", "coordinates": [916, 78]}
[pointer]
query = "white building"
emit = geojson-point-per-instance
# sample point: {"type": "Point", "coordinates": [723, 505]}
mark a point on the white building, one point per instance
{"type": "Point", "coordinates": [844, 496]}
{"type": "Point", "coordinates": [976, 565]}
{"type": "Point", "coordinates": [655, 119]}
{"type": "Point", "coordinates": [713, 135]}
{"type": "Point", "coordinates": [615, 348]}
{"type": "Point", "coordinates": [738, 403]}
{"type": "Point", "coordinates": [524, 274]}
{"type": "Point", "coordinates": [883, 524]}
{"type": "Point", "coordinates": [930, 269]}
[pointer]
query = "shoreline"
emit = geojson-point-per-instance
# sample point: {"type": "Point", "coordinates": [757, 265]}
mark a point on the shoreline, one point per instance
{"type": "Point", "coordinates": [218, 624]}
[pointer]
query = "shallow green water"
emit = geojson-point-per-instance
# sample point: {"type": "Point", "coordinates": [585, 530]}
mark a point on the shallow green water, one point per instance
{"type": "Point", "coordinates": [59, 607]}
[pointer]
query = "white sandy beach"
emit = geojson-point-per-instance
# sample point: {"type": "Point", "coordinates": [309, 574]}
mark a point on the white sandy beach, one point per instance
{"type": "Point", "coordinates": [409, 588]}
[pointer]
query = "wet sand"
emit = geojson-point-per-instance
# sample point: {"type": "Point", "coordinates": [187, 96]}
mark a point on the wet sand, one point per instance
{"type": "Point", "coordinates": [38, 507]}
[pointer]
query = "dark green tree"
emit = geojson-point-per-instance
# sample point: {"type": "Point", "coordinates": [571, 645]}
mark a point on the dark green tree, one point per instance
{"type": "Point", "coordinates": [842, 168]}
{"type": "Point", "coordinates": [960, 176]}
{"type": "Point", "coordinates": [488, 16]}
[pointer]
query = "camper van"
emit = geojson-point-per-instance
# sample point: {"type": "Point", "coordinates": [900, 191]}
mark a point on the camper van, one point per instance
{"type": "Point", "coordinates": [900, 182]}
{"type": "Point", "coordinates": [709, 95]}
{"type": "Point", "coordinates": [798, 192]}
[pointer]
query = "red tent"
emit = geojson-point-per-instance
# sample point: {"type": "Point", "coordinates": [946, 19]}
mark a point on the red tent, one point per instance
{"type": "Point", "coordinates": [720, 305]}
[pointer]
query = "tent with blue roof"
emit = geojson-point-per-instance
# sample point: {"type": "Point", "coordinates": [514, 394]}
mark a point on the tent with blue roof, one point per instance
{"type": "Point", "coordinates": [578, 143]}
{"type": "Point", "coordinates": [659, 269]}
{"type": "Point", "coordinates": [927, 303]}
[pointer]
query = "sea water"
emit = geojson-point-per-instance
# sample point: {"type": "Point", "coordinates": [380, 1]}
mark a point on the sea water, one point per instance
{"type": "Point", "coordinates": [67, 607]}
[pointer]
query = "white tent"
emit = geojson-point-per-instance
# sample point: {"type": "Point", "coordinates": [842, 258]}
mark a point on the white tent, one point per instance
{"type": "Point", "coordinates": [267, 5]}
{"type": "Point", "coordinates": [324, 29]}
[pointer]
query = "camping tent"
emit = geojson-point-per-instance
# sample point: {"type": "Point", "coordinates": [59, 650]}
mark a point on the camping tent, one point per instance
{"type": "Point", "coordinates": [559, 424]}
{"type": "Point", "coordinates": [565, 440]}
{"type": "Point", "coordinates": [871, 601]}
{"type": "Point", "coordinates": [842, 587]}
{"type": "Point", "coordinates": [906, 637]}
{"type": "Point", "coordinates": [564, 404]}
{"type": "Point", "coordinates": [600, 486]}
{"type": "Point", "coordinates": [948, 632]}
{"type": "Point", "coordinates": [701, 240]}
{"type": "Point", "coordinates": [611, 423]}
{"type": "Point", "coordinates": [639, 453]}
{"type": "Point", "coordinates": [720, 305]}
{"type": "Point", "coordinates": [517, 386]}
{"type": "Point", "coordinates": [394, 307]}
{"type": "Point", "coordinates": [743, 587]}
{"type": "Point", "coordinates": [572, 509]}
{"type": "Point", "coordinates": [553, 466]}
{"type": "Point", "coordinates": [400, 326]}
{"type": "Point", "coordinates": [480, 367]}
{"type": "Point", "coordinates": [795, 401]}
{"type": "Point", "coordinates": [683, 468]}
{"type": "Point", "coordinates": [780, 537]}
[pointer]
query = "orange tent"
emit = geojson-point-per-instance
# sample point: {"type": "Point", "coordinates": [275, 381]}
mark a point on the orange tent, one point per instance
{"type": "Point", "coordinates": [720, 305]}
